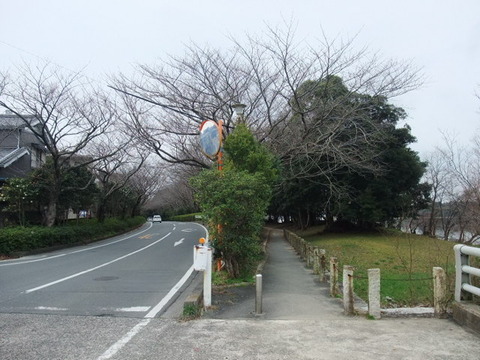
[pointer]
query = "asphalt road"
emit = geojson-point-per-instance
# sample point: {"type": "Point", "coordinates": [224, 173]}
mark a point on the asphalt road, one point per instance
{"type": "Point", "coordinates": [134, 275]}
{"type": "Point", "coordinates": [52, 335]}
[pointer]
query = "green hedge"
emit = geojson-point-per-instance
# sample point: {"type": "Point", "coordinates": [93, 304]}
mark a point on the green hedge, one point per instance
{"type": "Point", "coordinates": [186, 217]}
{"type": "Point", "coordinates": [20, 239]}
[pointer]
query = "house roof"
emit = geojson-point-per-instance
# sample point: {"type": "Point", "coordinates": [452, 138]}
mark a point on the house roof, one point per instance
{"type": "Point", "coordinates": [10, 121]}
{"type": "Point", "coordinates": [9, 156]}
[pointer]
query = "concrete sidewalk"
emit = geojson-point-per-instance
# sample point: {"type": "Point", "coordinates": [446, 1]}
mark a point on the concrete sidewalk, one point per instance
{"type": "Point", "coordinates": [301, 321]}
{"type": "Point", "coordinates": [290, 290]}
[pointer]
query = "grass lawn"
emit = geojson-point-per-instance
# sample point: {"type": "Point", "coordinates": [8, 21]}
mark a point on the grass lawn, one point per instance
{"type": "Point", "coordinates": [405, 262]}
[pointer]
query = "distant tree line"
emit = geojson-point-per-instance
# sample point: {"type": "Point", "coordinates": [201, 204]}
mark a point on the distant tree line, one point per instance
{"type": "Point", "coordinates": [454, 175]}
{"type": "Point", "coordinates": [25, 201]}
{"type": "Point", "coordinates": [322, 110]}
{"type": "Point", "coordinates": [94, 161]}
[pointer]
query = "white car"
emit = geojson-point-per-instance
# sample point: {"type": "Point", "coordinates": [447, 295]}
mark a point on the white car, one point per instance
{"type": "Point", "coordinates": [157, 218]}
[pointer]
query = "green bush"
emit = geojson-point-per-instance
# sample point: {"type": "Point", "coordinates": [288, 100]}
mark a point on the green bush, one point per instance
{"type": "Point", "coordinates": [234, 201]}
{"type": "Point", "coordinates": [19, 239]}
{"type": "Point", "coordinates": [237, 201]}
{"type": "Point", "coordinates": [185, 218]}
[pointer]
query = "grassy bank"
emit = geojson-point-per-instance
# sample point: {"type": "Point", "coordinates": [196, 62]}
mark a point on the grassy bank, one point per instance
{"type": "Point", "coordinates": [405, 262]}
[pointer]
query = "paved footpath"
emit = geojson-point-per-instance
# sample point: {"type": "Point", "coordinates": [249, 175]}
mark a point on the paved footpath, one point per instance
{"type": "Point", "coordinates": [300, 322]}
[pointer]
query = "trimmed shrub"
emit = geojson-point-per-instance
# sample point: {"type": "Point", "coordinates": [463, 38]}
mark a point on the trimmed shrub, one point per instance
{"type": "Point", "coordinates": [185, 218]}
{"type": "Point", "coordinates": [19, 239]}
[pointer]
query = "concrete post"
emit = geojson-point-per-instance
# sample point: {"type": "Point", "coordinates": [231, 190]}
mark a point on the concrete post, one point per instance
{"type": "Point", "coordinates": [258, 294]}
{"type": "Point", "coordinates": [308, 255]}
{"type": "Point", "coordinates": [311, 256]}
{"type": "Point", "coordinates": [348, 304]}
{"type": "Point", "coordinates": [316, 261]}
{"type": "Point", "coordinates": [374, 293]}
{"type": "Point", "coordinates": [333, 277]}
{"type": "Point", "coordinates": [323, 265]}
{"type": "Point", "coordinates": [207, 281]}
{"type": "Point", "coordinates": [439, 292]}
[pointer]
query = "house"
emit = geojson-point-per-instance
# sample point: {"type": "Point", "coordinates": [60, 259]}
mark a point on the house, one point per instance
{"type": "Point", "coordinates": [20, 150]}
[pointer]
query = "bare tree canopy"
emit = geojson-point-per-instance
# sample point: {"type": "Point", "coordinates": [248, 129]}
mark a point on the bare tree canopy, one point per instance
{"type": "Point", "coordinates": [65, 113]}
{"type": "Point", "coordinates": [454, 173]}
{"type": "Point", "coordinates": [266, 74]}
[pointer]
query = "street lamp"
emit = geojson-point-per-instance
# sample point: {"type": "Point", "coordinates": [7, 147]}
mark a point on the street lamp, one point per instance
{"type": "Point", "coordinates": [239, 109]}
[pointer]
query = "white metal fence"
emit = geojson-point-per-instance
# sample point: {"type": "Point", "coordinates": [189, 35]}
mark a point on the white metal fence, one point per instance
{"type": "Point", "coordinates": [465, 273]}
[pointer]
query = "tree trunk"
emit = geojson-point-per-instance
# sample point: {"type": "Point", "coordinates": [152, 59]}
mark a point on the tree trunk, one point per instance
{"type": "Point", "coordinates": [329, 221]}
{"type": "Point", "coordinates": [101, 211]}
{"type": "Point", "coordinates": [431, 221]}
{"type": "Point", "coordinates": [51, 214]}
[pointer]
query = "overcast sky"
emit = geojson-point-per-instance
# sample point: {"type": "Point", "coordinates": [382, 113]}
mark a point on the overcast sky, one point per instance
{"type": "Point", "coordinates": [107, 36]}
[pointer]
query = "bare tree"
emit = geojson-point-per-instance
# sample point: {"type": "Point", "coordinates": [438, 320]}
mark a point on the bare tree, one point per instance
{"type": "Point", "coordinates": [145, 184]}
{"type": "Point", "coordinates": [266, 74]}
{"type": "Point", "coordinates": [65, 112]}
{"type": "Point", "coordinates": [441, 180]}
{"type": "Point", "coordinates": [174, 193]}
{"type": "Point", "coordinates": [3, 82]}
{"type": "Point", "coordinates": [458, 189]}
{"type": "Point", "coordinates": [119, 160]}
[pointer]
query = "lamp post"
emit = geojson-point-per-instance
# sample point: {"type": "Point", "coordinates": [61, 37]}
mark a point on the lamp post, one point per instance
{"type": "Point", "coordinates": [220, 152]}
{"type": "Point", "coordinates": [239, 109]}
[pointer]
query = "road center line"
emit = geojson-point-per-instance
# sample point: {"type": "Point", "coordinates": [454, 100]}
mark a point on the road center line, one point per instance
{"type": "Point", "coordinates": [94, 268]}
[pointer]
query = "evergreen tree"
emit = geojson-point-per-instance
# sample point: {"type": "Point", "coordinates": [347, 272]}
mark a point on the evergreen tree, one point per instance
{"type": "Point", "coordinates": [234, 201]}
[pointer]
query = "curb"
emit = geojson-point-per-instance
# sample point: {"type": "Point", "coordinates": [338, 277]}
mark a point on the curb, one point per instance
{"type": "Point", "coordinates": [195, 299]}
{"type": "Point", "coordinates": [467, 314]}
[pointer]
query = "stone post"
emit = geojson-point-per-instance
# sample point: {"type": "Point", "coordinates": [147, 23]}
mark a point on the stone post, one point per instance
{"type": "Point", "coordinates": [323, 265]}
{"type": "Point", "coordinates": [374, 293]}
{"type": "Point", "coordinates": [439, 292]}
{"type": "Point", "coordinates": [309, 256]}
{"type": "Point", "coordinates": [333, 277]}
{"type": "Point", "coordinates": [316, 261]}
{"type": "Point", "coordinates": [258, 294]}
{"type": "Point", "coordinates": [348, 304]}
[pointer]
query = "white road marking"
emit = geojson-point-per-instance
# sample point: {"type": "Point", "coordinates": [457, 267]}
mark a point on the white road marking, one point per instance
{"type": "Point", "coordinates": [124, 340]}
{"type": "Point", "coordinates": [170, 295]}
{"type": "Point", "coordinates": [134, 309]}
{"type": "Point", "coordinates": [178, 242]}
{"type": "Point", "coordinates": [122, 309]}
{"type": "Point", "coordinates": [137, 328]}
{"type": "Point", "coordinates": [94, 268]}
{"type": "Point", "coordinates": [113, 242]}
{"type": "Point", "coordinates": [50, 308]}
{"type": "Point", "coordinates": [44, 257]}
{"type": "Point", "coordinates": [188, 230]}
